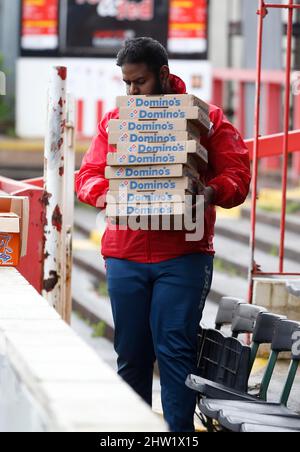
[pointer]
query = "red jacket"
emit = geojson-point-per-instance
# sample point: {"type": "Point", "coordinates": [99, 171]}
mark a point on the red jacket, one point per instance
{"type": "Point", "coordinates": [228, 173]}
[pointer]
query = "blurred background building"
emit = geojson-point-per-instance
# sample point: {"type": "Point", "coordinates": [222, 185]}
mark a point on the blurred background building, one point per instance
{"type": "Point", "coordinates": [200, 35]}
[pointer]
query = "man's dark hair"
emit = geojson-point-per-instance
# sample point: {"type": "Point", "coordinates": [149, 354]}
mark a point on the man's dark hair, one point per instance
{"type": "Point", "coordinates": [143, 50]}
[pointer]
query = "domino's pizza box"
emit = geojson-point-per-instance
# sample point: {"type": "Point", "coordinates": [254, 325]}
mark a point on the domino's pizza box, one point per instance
{"type": "Point", "coordinates": [160, 216]}
{"type": "Point", "coordinates": [191, 146]}
{"type": "Point", "coordinates": [158, 196]}
{"type": "Point", "coordinates": [147, 217]}
{"type": "Point", "coordinates": [163, 101]}
{"type": "Point", "coordinates": [151, 185]}
{"type": "Point", "coordinates": [152, 171]}
{"type": "Point", "coordinates": [157, 126]}
{"type": "Point", "coordinates": [197, 159]}
{"type": "Point", "coordinates": [194, 114]}
{"type": "Point", "coordinates": [116, 138]}
{"type": "Point", "coordinates": [125, 210]}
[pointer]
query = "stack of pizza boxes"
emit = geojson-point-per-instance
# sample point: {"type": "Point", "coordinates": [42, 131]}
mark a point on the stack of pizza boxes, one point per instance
{"type": "Point", "coordinates": [158, 158]}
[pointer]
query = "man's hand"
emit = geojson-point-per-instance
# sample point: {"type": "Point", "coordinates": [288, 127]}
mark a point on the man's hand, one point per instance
{"type": "Point", "coordinates": [209, 194]}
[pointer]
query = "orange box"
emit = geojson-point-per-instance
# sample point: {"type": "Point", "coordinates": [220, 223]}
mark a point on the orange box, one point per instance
{"type": "Point", "coordinates": [10, 240]}
{"type": "Point", "coordinates": [14, 219]}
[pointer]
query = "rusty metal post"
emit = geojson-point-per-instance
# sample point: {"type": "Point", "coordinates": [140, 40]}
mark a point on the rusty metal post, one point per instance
{"type": "Point", "coordinates": [218, 92]}
{"type": "Point", "coordinates": [241, 108]}
{"type": "Point", "coordinates": [68, 210]}
{"type": "Point", "coordinates": [287, 104]}
{"type": "Point", "coordinates": [296, 156]}
{"type": "Point", "coordinates": [54, 169]}
{"type": "Point", "coordinates": [262, 12]}
{"type": "Point", "coordinates": [273, 103]}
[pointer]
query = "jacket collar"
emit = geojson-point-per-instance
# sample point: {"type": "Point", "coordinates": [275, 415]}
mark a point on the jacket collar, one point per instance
{"type": "Point", "coordinates": [177, 84]}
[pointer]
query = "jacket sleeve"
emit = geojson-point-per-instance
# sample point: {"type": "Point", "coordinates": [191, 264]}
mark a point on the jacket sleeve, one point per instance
{"type": "Point", "coordinates": [229, 162]}
{"type": "Point", "coordinates": [91, 185]}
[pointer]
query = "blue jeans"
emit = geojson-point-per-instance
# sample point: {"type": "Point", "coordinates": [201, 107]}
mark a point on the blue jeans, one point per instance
{"type": "Point", "coordinates": [157, 309]}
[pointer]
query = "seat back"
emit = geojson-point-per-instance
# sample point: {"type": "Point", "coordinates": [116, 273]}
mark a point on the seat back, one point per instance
{"type": "Point", "coordinates": [218, 358]}
{"type": "Point", "coordinates": [234, 365]}
{"type": "Point", "coordinates": [282, 342]}
{"type": "Point", "coordinates": [225, 314]}
{"type": "Point", "coordinates": [210, 354]}
{"type": "Point", "coordinates": [263, 333]}
{"type": "Point", "coordinates": [245, 318]}
{"type": "Point", "coordinates": [227, 307]}
{"type": "Point", "coordinates": [294, 365]}
{"type": "Point", "coordinates": [282, 339]}
{"type": "Point", "coordinates": [224, 360]}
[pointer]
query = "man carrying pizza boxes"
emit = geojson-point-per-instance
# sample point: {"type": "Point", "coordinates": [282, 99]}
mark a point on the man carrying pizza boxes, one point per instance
{"type": "Point", "coordinates": [159, 142]}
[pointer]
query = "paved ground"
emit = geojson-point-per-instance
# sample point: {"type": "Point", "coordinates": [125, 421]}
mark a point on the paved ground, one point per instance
{"type": "Point", "coordinates": [234, 249]}
{"type": "Point", "coordinates": [105, 350]}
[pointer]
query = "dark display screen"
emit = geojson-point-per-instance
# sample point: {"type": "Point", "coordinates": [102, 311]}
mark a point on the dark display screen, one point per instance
{"type": "Point", "coordinates": [100, 27]}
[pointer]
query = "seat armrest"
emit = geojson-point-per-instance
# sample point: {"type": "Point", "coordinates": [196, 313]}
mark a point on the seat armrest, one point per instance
{"type": "Point", "coordinates": [213, 390]}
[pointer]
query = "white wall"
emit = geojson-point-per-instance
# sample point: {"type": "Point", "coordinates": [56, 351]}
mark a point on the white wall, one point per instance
{"type": "Point", "coordinates": [9, 39]}
{"type": "Point", "coordinates": [88, 79]}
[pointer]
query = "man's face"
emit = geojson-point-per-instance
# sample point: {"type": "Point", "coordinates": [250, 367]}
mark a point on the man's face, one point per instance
{"type": "Point", "coordinates": [140, 80]}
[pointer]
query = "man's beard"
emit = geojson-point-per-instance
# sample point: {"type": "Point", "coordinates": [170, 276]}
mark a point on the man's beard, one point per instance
{"type": "Point", "coordinates": [158, 87]}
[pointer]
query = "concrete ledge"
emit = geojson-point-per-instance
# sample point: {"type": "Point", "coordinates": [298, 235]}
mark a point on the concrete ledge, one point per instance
{"type": "Point", "coordinates": [48, 372]}
{"type": "Point", "coordinates": [273, 294]}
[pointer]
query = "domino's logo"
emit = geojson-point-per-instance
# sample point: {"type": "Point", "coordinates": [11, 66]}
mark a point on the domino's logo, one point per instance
{"type": "Point", "coordinates": [124, 184]}
{"type": "Point", "coordinates": [122, 159]}
{"type": "Point", "coordinates": [124, 137]}
{"type": "Point", "coordinates": [132, 148]}
{"type": "Point", "coordinates": [130, 102]}
{"type": "Point", "coordinates": [120, 172]}
{"type": "Point", "coordinates": [123, 125]}
{"type": "Point", "coordinates": [134, 114]}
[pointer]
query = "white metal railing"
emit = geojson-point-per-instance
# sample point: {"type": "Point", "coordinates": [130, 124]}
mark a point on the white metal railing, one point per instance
{"type": "Point", "coordinates": [50, 380]}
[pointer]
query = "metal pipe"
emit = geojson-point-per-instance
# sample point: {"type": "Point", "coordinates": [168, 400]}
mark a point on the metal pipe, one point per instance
{"type": "Point", "coordinates": [262, 13]}
{"type": "Point", "coordinates": [277, 5]}
{"type": "Point", "coordinates": [68, 210]}
{"type": "Point", "coordinates": [54, 186]}
{"type": "Point", "coordinates": [286, 136]}
{"type": "Point", "coordinates": [277, 274]}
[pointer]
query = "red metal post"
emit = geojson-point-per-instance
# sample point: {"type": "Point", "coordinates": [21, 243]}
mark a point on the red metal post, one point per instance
{"type": "Point", "coordinates": [296, 156]}
{"type": "Point", "coordinates": [241, 109]}
{"type": "Point", "coordinates": [286, 137]}
{"type": "Point", "coordinates": [79, 118]}
{"type": "Point", "coordinates": [218, 92]}
{"type": "Point", "coordinates": [271, 145]}
{"type": "Point", "coordinates": [262, 13]}
{"type": "Point", "coordinates": [272, 120]}
{"type": "Point", "coordinates": [99, 111]}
